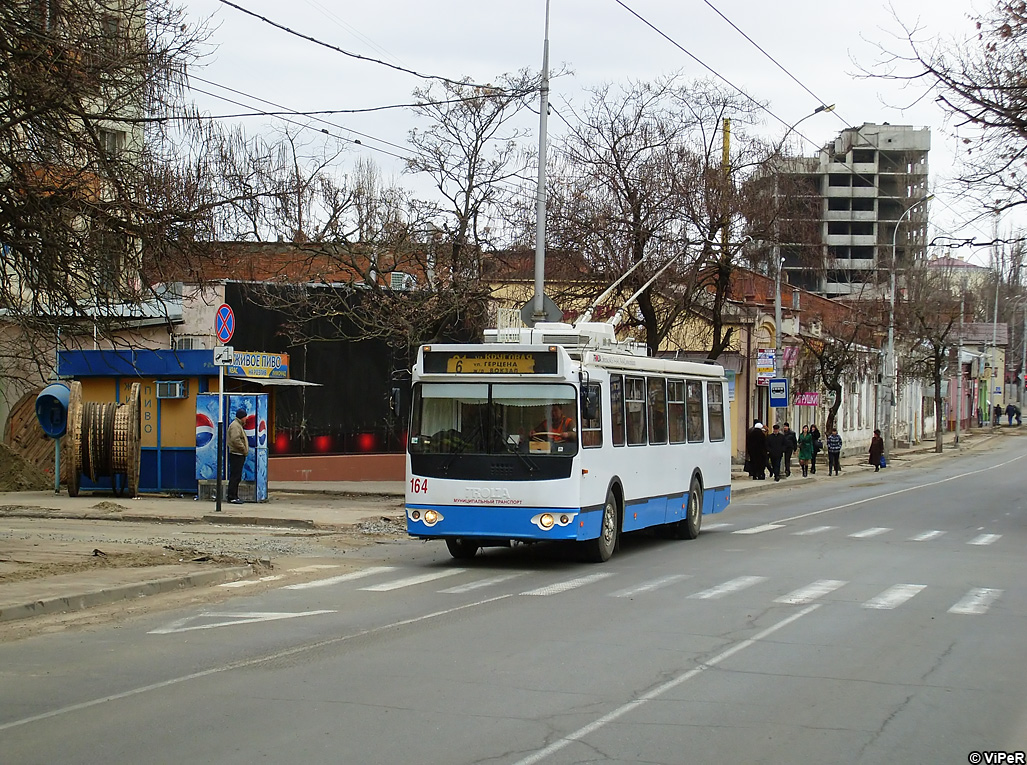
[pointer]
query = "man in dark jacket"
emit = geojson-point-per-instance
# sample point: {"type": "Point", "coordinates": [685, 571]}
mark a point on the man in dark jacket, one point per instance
{"type": "Point", "coordinates": [791, 445]}
{"type": "Point", "coordinates": [776, 450]}
{"type": "Point", "coordinates": [756, 451]}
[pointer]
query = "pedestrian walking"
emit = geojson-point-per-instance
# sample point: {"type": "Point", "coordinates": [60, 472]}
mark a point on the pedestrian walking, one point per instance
{"type": "Point", "coordinates": [791, 444]}
{"type": "Point", "coordinates": [805, 450]}
{"type": "Point", "coordinates": [238, 448]}
{"type": "Point", "coordinates": [1010, 412]}
{"type": "Point", "coordinates": [876, 450]}
{"type": "Point", "coordinates": [756, 451]}
{"type": "Point", "coordinates": [997, 419]}
{"type": "Point", "coordinates": [776, 450]}
{"type": "Point", "coordinates": [834, 452]}
{"type": "Point", "coordinates": [818, 446]}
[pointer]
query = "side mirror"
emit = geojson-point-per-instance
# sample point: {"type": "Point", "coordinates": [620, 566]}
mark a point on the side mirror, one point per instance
{"type": "Point", "coordinates": [590, 403]}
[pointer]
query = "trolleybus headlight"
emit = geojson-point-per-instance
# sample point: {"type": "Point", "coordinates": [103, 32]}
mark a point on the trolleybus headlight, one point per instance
{"type": "Point", "coordinates": [546, 521]}
{"type": "Point", "coordinates": [415, 515]}
{"type": "Point", "coordinates": [564, 520]}
{"type": "Point", "coordinates": [431, 517]}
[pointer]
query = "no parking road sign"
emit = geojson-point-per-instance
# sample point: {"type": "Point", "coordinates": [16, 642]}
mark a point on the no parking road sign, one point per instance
{"type": "Point", "coordinates": [224, 323]}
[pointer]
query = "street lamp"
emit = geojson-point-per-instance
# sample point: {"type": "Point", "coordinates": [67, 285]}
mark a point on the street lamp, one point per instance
{"type": "Point", "coordinates": [893, 368]}
{"type": "Point", "coordinates": [779, 262]}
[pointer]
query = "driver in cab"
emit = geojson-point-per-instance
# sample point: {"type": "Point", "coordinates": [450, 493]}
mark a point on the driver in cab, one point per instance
{"type": "Point", "coordinates": [556, 427]}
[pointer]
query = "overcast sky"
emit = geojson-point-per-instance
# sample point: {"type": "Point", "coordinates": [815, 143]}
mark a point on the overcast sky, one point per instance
{"type": "Point", "coordinates": [821, 43]}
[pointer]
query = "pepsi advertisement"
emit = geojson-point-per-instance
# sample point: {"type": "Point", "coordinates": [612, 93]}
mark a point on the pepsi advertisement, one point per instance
{"type": "Point", "coordinates": [254, 474]}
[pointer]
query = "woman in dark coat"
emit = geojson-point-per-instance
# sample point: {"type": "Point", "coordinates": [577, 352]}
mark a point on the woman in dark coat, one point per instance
{"type": "Point", "coordinates": [756, 451]}
{"type": "Point", "coordinates": [876, 450]}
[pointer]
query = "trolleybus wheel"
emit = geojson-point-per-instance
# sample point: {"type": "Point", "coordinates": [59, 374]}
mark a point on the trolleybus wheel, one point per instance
{"type": "Point", "coordinates": [462, 549]}
{"type": "Point", "coordinates": [600, 549]}
{"type": "Point", "coordinates": [688, 527]}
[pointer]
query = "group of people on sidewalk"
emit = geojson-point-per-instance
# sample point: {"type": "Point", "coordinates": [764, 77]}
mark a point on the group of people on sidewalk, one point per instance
{"type": "Point", "coordinates": [772, 452]}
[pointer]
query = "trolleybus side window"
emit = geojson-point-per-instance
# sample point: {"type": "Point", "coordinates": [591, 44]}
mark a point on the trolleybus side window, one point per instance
{"type": "Point", "coordinates": [676, 410]}
{"type": "Point", "coordinates": [657, 410]}
{"type": "Point", "coordinates": [617, 408]}
{"type": "Point", "coordinates": [695, 411]}
{"type": "Point", "coordinates": [591, 404]}
{"type": "Point", "coordinates": [715, 402]}
{"type": "Point", "coordinates": [634, 397]}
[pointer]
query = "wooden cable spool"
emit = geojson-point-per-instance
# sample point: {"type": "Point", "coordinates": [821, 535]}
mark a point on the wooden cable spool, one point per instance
{"type": "Point", "coordinates": [105, 441]}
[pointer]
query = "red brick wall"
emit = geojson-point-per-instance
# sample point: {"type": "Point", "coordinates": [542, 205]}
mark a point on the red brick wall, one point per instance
{"type": "Point", "coordinates": [339, 467]}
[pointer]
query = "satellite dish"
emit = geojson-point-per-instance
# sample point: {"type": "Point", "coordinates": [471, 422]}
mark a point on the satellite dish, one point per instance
{"type": "Point", "coordinates": [552, 311]}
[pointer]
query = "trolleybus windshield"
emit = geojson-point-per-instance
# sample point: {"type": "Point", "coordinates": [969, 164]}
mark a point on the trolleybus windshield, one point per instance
{"type": "Point", "coordinates": [494, 418]}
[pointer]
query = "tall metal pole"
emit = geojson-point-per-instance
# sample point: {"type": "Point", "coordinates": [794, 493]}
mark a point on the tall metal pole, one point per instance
{"type": "Point", "coordinates": [959, 364]}
{"type": "Point", "coordinates": [538, 310]}
{"type": "Point", "coordinates": [1023, 358]}
{"type": "Point", "coordinates": [891, 365]}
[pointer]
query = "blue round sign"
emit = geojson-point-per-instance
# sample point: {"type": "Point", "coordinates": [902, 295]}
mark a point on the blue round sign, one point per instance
{"type": "Point", "coordinates": [224, 323]}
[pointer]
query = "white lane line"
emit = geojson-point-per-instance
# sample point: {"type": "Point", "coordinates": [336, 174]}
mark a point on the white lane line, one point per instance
{"type": "Point", "coordinates": [247, 663]}
{"type": "Point", "coordinates": [248, 582]}
{"type": "Point", "coordinates": [985, 539]}
{"type": "Point", "coordinates": [977, 601]}
{"type": "Point", "coordinates": [315, 567]}
{"type": "Point", "coordinates": [410, 581]}
{"type": "Point", "coordinates": [926, 535]}
{"type": "Point", "coordinates": [867, 533]}
{"type": "Point", "coordinates": [650, 586]}
{"type": "Point", "coordinates": [230, 620]}
{"type": "Point", "coordinates": [341, 578]}
{"type": "Point", "coordinates": [894, 596]}
{"type": "Point", "coordinates": [810, 592]}
{"type": "Point", "coordinates": [812, 531]}
{"type": "Point", "coordinates": [734, 585]}
{"type": "Point", "coordinates": [570, 584]}
{"type": "Point", "coordinates": [759, 529]}
{"type": "Point", "coordinates": [477, 585]}
{"type": "Point", "coordinates": [886, 495]}
{"type": "Point", "coordinates": [715, 526]}
{"type": "Point", "coordinates": [659, 690]}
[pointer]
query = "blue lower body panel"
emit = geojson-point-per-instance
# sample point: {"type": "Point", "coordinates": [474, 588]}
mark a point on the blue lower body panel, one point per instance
{"type": "Point", "coordinates": [503, 522]}
{"type": "Point", "coordinates": [715, 500]}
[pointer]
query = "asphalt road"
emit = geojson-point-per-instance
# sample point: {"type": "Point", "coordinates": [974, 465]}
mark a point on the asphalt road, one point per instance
{"type": "Point", "coordinates": [871, 618]}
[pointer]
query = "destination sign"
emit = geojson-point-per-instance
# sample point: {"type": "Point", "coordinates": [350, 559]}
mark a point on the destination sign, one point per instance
{"type": "Point", "coordinates": [490, 362]}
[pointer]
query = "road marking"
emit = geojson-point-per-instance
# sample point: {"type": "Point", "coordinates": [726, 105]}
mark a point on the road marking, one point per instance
{"type": "Point", "coordinates": [715, 526]}
{"type": "Point", "coordinates": [926, 535]}
{"type": "Point", "coordinates": [341, 578]}
{"type": "Point", "coordinates": [894, 596]}
{"type": "Point", "coordinates": [248, 582]}
{"type": "Point", "coordinates": [410, 581]}
{"type": "Point", "coordinates": [985, 539]}
{"type": "Point", "coordinates": [660, 690]}
{"type": "Point", "coordinates": [811, 592]}
{"type": "Point", "coordinates": [867, 533]}
{"type": "Point", "coordinates": [314, 567]}
{"type": "Point", "coordinates": [812, 531]}
{"type": "Point", "coordinates": [460, 588]}
{"type": "Point", "coordinates": [246, 663]}
{"type": "Point", "coordinates": [570, 584]}
{"type": "Point", "coordinates": [977, 601]}
{"type": "Point", "coordinates": [895, 493]}
{"type": "Point", "coordinates": [230, 620]}
{"type": "Point", "coordinates": [759, 529]}
{"type": "Point", "coordinates": [650, 586]}
{"type": "Point", "coordinates": [734, 585]}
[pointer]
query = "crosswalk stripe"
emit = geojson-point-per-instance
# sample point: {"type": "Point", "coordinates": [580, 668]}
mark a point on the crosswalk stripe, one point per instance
{"type": "Point", "coordinates": [894, 596]}
{"type": "Point", "coordinates": [812, 531]}
{"type": "Point", "coordinates": [410, 581]}
{"type": "Point", "coordinates": [649, 586]}
{"type": "Point", "coordinates": [570, 584]}
{"type": "Point", "coordinates": [248, 582]}
{"type": "Point", "coordinates": [715, 526]}
{"type": "Point", "coordinates": [977, 601]}
{"type": "Point", "coordinates": [866, 533]}
{"type": "Point", "coordinates": [811, 591]}
{"type": "Point", "coordinates": [341, 578]}
{"type": "Point", "coordinates": [482, 583]}
{"type": "Point", "coordinates": [985, 539]}
{"type": "Point", "coordinates": [734, 585]}
{"type": "Point", "coordinates": [926, 535]}
{"type": "Point", "coordinates": [759, 529]}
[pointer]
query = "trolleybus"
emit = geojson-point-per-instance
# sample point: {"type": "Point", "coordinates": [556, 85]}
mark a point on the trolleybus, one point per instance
{"type": "Point", "coordinates": [561, 432]}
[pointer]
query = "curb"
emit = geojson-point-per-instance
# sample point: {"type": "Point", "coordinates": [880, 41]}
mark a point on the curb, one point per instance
{"type": "Point", "coordinates": [242, 520]}
{"type": "Point", "coordinates": [67, 603]}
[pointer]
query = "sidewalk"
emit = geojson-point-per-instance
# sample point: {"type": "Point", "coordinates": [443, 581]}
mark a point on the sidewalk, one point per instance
{"type": "Point", "coordinates": [298, 505]}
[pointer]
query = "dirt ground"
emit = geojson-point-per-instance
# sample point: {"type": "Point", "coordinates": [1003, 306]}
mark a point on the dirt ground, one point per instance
{"type": "Point", "coordinates": [17, 474]}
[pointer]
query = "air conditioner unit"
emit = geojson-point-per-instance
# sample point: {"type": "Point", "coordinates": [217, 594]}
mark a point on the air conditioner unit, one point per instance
{"type": "Point", "coordinates": [172, 389]}
{"type": "Point", "coordinates": [400, 281]}
{"type": "Point", "coordinates": [188, 343]}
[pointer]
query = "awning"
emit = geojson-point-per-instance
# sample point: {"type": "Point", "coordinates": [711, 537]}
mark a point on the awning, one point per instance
{"type": "Point", "coordinates": [283, 381]}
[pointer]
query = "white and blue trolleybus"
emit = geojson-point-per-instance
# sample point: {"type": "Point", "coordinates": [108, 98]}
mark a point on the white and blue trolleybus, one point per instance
{"type": "Point", "coordinates": [562, 432]}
